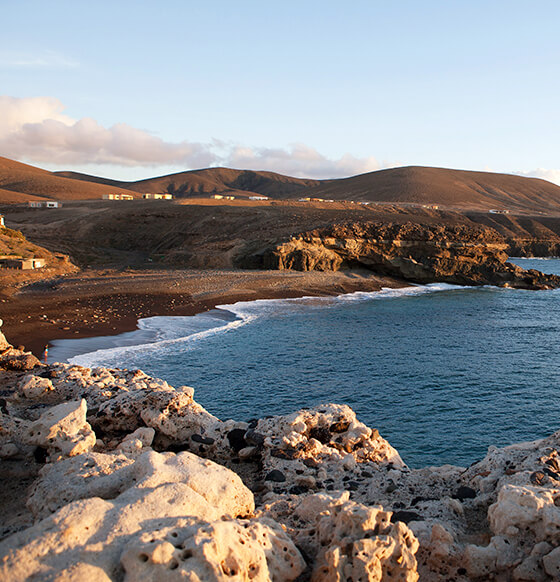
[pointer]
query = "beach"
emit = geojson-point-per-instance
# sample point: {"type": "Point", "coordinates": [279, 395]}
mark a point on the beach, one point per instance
{"type": "Point", "coordinates": [105, 302]}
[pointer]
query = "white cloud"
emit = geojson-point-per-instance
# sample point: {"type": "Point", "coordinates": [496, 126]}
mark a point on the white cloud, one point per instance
{"type": "Point", "coordinates": [550, 175]}
{"type": "Point", "coordinates": [36, 130]}
{"type": "Point", "coordinates": [299, 160]}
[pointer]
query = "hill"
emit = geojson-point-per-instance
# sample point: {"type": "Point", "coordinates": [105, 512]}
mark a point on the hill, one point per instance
{"type": "Point", "coordinates": [457, 189]}
{"type": "Point", "coordinates": [452, 189]}
{"type": "Point", "coordinates": [208, 181]}
{"type": "Point", "coordinates": [21, 183]}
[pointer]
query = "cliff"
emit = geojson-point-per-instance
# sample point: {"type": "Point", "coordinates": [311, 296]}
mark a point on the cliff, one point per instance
{"type": "Point", "coordinates": [460, 254]}
{"type": "Point", "coordinates": [113, 475]}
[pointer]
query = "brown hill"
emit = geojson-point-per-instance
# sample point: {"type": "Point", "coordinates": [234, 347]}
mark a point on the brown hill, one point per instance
{"type": "Point", "coordinates": [459, 189]}
{"type": "Point", "coordinates": [21, 182]}
{"type": "Point", "coordinates": [454, 189]}
{"type": "Point", "coordinates": [212, 181]}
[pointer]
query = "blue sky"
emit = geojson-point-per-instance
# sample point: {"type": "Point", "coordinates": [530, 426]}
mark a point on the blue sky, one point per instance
{"type": "Point", "coordinates": [318, 88]}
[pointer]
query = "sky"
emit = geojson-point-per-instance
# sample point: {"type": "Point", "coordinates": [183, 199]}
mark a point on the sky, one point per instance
{"type": "Point", "coordinates": [322, 89]}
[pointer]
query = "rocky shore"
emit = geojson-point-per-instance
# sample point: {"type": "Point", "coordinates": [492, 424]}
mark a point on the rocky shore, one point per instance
{"type": "Point", "coordinates": [113, 475]}
{"type": "Point", "coordinates": [419, 253]}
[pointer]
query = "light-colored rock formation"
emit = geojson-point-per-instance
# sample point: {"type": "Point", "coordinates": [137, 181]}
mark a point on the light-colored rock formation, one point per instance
{"type": "Point", "coordinates": [96, 532]}
{"type": "Point", "coordinates": [324, 445]}
{"type": "Point", "coordinates": [356, 542]}
{"type": "Point", "coordinates": [33, 386]}
{"type": "Point", "coordinates": [146, 498]}
{"type": "Point", "coordinates": [63, 430]}
{"type": "Point", "coordinates": [217, 551]}
{"type": "Point", "coordinates": [108, 475]}
{"type": "Point", "coordinates": [129, 506]}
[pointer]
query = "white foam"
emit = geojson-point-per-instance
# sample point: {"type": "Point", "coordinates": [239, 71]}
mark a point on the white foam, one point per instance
{"type": "Point", "coordinates": [191, 330]}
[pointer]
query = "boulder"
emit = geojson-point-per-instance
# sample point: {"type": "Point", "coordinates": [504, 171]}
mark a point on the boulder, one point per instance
{"type": "Point", "coordinates": [351, 541]}
{"type": "Point", "coordinates": [217, 551]}
{"type": "Point", "coordinates": [180, 498]}
{"type": "Point", "coordinates": [63, 430]}
{"type": "Point", "coordinates": [35, 386]}
{"type": "Point", "coordinates": [109, 475]}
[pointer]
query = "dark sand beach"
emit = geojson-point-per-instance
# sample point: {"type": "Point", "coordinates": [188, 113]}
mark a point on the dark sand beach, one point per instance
{"type": "Point", "coordinates": [96, 303]}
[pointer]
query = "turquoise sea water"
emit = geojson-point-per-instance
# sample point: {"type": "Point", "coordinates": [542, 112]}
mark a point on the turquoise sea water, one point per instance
{"type": "Point", "coordinates": [441, 371]}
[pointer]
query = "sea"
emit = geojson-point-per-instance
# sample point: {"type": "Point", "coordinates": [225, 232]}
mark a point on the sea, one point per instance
{"type": "Point", "coordinates": [442, 371]}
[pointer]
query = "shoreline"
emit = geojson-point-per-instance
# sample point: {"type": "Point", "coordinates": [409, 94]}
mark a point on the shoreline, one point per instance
{"type": "Point", "coordinates": [109, 303]}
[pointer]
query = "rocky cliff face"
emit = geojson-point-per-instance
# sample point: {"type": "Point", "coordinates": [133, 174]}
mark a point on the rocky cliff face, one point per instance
{"type": "Point", "coordinates": [462, 254]}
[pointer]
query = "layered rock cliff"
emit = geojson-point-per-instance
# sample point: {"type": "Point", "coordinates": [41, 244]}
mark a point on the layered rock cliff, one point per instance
{"type": "Point", "coordinates": [460, 254]}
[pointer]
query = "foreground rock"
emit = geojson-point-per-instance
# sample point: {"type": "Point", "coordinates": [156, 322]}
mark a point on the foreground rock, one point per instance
{"type": "Point", "coordinates": [113, 475]}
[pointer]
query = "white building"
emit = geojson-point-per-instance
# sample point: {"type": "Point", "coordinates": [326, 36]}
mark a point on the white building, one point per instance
{"type": "Point", "coordinates": [44, 204]}
{"type": "Point", "coordinates": [157, 196]}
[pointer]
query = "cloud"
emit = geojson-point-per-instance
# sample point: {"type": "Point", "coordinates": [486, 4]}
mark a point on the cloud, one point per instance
{"type": "Point", "coordinates": [45, 59]}
{"type": "Point", "coordinates": [36, 130]}
{"type": "Point", "coordinates": [299, 160]}
{"type": "Point", "coordinates": [550, 175]}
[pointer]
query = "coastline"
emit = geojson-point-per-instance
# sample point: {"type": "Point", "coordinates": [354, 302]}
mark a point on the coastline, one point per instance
{"type": "Point", "coordinates": [109, 303]}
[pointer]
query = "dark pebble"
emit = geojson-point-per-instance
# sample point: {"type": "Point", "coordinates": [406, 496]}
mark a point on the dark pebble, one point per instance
{"type": "Point", "coordinates": [352, 485]}
{"type": "Point", "coordinates": [405, 516]}
{"type": "Point", "coordinates": [276, 476]}
{"type": "Point", "coordinates": [464, 492]}
{"type": "Point", "coordinates": [236, 438]}
{"type": "Point", "coordinates": [254, 438]}
{"type": "Point", "coordinates": [202, 440]}
{"type": "Point", "coordinates": [310, 462]}
{"type": "Point", "coordinates": [298, 489]}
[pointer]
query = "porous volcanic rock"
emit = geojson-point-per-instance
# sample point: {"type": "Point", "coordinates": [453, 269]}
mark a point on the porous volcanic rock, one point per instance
{"type": "Point", "coordinates": [314, 495]}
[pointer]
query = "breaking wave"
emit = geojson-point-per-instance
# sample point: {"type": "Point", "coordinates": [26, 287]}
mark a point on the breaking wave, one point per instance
{"type": "Point", "coordinates": [161, 332]}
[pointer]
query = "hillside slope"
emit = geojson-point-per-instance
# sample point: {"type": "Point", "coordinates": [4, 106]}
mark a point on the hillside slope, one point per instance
{"type": "Point", "coordinates": [208, 181]}
{"type": "Point", "coordinates": [459, 189]}
{"type": "Point", "coordinates": [453, 189]}
{"type": "Point", "coordinates": [21, 183]}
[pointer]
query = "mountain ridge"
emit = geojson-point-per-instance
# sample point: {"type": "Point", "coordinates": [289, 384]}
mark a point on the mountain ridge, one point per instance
{"type": "Point", "coordinates": [416, 185]}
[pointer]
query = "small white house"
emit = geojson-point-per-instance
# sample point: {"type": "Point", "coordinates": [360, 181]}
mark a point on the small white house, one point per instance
{"type": "Point", "coordinates": [258, 197]}
{"type": "Point", "coordinates": [118, 197]}
{"type": "Point", "coordinates": [2, 220]}
{"type": "Point", "coordinates": [157, 196]}
{"type": "Point", "coordinates": [44, 204]}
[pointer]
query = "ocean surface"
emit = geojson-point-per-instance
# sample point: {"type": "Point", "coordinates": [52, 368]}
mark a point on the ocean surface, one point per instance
{"type": "Point", "coordinates": [441, 371]}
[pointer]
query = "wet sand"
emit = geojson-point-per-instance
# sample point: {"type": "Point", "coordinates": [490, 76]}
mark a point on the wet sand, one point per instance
{"type": "Point", "coordinates": [100, 303]}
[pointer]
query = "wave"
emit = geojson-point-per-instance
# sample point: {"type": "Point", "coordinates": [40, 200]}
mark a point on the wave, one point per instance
{"type": "Point", "coordinates": [161, 332]}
